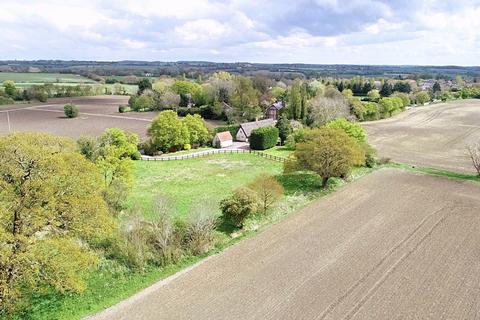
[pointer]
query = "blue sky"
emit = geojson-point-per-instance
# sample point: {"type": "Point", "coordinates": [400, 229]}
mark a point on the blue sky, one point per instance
{"type": "Point", "coordinates": [305, 31]}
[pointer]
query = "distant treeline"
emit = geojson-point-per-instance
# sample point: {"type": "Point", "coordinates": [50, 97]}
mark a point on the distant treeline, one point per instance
{"type": "Point", "coordinates": [195, 69]}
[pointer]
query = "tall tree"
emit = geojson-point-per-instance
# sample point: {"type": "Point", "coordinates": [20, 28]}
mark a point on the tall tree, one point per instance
{"type": "Point", "coordinates": [51, 210]}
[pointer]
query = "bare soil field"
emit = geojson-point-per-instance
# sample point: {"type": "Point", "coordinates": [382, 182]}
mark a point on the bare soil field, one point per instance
{"type": "Point", "coordinates": [96, 114]}
{"type": "Point", "coordinates": [432, 136]}
{"type": "Point", "coordinates": [393, 244]}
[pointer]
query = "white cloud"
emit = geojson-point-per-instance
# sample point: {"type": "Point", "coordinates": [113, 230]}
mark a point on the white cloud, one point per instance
{"type": "Point", "coordinates": [316, 31]}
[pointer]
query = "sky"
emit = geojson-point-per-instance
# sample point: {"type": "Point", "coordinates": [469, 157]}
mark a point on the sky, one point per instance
{"type": "Point", "coordinates": [284, 31]}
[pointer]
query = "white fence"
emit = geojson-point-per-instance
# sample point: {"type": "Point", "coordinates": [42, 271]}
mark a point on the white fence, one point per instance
{"type": "Point", "coordinates": [211, 152]}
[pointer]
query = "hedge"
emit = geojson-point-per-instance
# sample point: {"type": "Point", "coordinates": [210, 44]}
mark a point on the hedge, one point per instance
{"type": "Point", "coordinates": [263, 138]}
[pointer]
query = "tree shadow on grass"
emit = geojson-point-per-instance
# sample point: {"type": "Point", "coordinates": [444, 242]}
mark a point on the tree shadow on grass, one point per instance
{"type": "Point", "coordinates": [300, 182]}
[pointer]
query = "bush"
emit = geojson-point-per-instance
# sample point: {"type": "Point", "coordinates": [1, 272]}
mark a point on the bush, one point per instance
{"type": "Point", "coordinates": [240, 205]}
{"type": "Point", "coordinates": [268, 190]}
{"type": "Point", "coordinates": [263, 138]}
{"type": "Point", "coordinates": [200, 230]}
{"type": "Point", "coordinates": [123, 109]}
{"type": "Point", "coordinates": [71, 110]}
{"type": "Point", "coordinates": [6, 100]}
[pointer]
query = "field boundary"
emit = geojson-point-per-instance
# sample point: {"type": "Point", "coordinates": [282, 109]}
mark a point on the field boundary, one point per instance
{"type": "Point", "coordinates": [212, 152]}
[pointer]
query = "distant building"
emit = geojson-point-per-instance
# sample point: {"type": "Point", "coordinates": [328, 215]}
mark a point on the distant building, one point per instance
{"type": "Point", "coordinates": [222, 140]}
{"type": "Point", "coordinates": [273, 112]}
{"type": "Point", "coordinates": [246, 128]}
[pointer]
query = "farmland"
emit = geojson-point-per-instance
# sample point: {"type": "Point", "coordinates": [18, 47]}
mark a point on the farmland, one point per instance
{"type": "Point", "coordinates": [41, 78]}
{"type": "Point", "coordinates": [393, 242]}
{"type": "Point", "coordinates": [96, 114]}
{"type": "Point", "coordinates": [432, 136]}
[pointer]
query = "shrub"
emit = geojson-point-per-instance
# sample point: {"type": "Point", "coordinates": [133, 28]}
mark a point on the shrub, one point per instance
{"type": "Point", "coordinates": [268, 190]}
{"type": "Point", "coordinates": [165, 237]}
{"type": "Point", "coordinates": [142, 103]}
{"type": "Point", "coordinates": [122, 109]}
{"type": "Point", "coordinates": [240, 205]}
{"type": "Point", "coordinates": [200, 230]}
{"type": "Point", "coordinates": [474, 151]}
{"type": "Point", "coordinates": [6, 100]}
{"type": "Point", "coordinates": [71, 110]}
{"type": "Point", "coordinates": [263, 138]}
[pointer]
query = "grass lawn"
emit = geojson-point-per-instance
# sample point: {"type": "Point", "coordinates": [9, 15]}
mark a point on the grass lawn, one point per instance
{"type": "Point", "coordinates": [198, 180]}
{"type": "Point", "coordinates": [279, 152]}
{"type": "Point", "coordinates": [40, 77]}
{"type": "Point", "coordinates": [178, 153]}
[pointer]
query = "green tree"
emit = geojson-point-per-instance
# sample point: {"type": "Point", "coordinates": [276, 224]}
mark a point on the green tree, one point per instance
{"type": "Point", "coordinates": [422, 97]}
{"type": "Point", "coordinates": [386, 89]}
{"type": "Point", "coordinates": [436, 87]}
{"type": "Point", "coordinates": [284, 128]}
{"type": "Point", "coordinates": [143, 85]}
{"type": "Point", "coordinates": [245, 99]}
{"type": "Point", "coordinates": [402, 86]}
{"type": "Point", "coordinates": [197, 129]}
{"type": "Point", "coordinates": [168, 132]}
{"type": "Point", "coordinates": [329, 152]}
{"type": "Point", "coordinates": [353, 130]}
{"type": "Point", "coordinates": [297, 100]}
{"type": "Point", "coordinates": [51, 212]}
{"type": "Point", "coordinates": [10, 88]}
{"type": "Point", "coordinates": [374, 95]}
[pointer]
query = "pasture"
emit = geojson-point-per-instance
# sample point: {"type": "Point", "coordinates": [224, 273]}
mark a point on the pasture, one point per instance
{"type": "Point", "coordinates": [431, 136]}
{"type": "Point", "coordinates": [189, 183]}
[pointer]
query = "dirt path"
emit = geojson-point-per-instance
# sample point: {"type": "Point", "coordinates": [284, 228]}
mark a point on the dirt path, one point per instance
{"type": "Point", "coordinates": [393, 244]}
{"type": "Point", "coordinates": [432, 136]}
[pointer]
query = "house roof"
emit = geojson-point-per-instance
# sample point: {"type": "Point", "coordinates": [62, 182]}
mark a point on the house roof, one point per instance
{"type": "Point", "coordinates": [224, 136]}
{"type": "Point", "coordinates": [278, 105]}
{"type": "Point", "coordinates": [247, 127]}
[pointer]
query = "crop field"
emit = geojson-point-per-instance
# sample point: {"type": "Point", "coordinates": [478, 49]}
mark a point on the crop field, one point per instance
{"type": "Point", "coordinates": [40, 78]}
{"type": "Point", "coordinates": [96, 114]}
{"type": "Point", "coordinates": [432, 136]}
{"type": "Point", "coordinates": [392, 243]}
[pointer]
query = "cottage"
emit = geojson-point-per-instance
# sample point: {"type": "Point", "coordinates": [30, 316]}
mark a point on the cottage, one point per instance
{"type": "Point", "coordinates": [273, 112]}
{"type": "Point", "coordinates": [245, 129]}
{"type": "Point", "coordinates": [222, 140]}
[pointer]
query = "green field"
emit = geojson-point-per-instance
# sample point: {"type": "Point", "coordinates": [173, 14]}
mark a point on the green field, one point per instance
{"type": "Point", "coordinates": [278, 151]}
{"type": "Point", "coordinates": [198, 180]}
{"type": "Point", "coordinates": [40, 77]}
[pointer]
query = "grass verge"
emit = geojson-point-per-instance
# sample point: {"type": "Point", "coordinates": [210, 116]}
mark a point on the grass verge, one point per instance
{"type": "Point", "coordinates": [436, 172]}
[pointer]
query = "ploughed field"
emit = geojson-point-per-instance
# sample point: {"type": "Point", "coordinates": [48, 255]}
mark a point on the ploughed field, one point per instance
{"type": "Point", "coordinates": [394, 244]}
{"type": "Point", "coordinates": [95, 115]}
{"type": "Point", "coordinates": [432, 136]}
